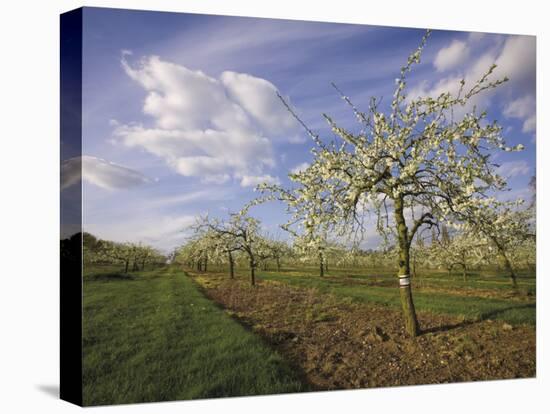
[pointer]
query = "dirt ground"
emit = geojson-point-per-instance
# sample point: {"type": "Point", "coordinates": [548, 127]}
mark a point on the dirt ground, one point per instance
{"type": "Point", "coordinates": [337, 344]}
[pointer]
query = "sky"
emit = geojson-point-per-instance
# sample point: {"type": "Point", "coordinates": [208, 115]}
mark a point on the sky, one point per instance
{"type": "Point", "coordinates": [180, 114]}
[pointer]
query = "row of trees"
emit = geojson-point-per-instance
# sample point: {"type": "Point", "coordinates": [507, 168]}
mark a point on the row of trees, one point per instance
{"type": "Point", "coordinates": [223, 244]}
{"type": "Point", "coordinates": [226, 241]}
{"type": "Point", "coordinates": [469, 250]}
{"type": "Point", "coordinates": [132, 256]}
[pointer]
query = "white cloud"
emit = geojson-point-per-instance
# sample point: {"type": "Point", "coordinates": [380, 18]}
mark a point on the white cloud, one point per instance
{"type": "Point", "coordinates": [253, 181]}
{"type": "Point", "coordinates": [99, 172]}
{"type": "Point", "coordinates": [514, 57]}
{"type": "Point", "coordinates": [180, 98]}
{"type": "Point", "coordinates": [425, 88]}
{"type": "Point", "coordinates": [299, 168]}
{"type": "Point", "coordinates": [206, 127]}
{"type": "Point", "coordinates": [209, 154]}
{"type": "Point", "coordinates": [259, 98]}
{"type": "Point", "coordinates": [530, 125]}
{"type": "Point", "coordinates": [524, 109]}
{"type": "Point", "coordinates": [451, 83]}
{"type": "Point", "coordinates": [513, 169]}
{"type": "Point", "coordinates": [451, 56]}
{"type": "Point", "coordinates": [71, 172]}
{"type": "Point", "coordinates": [517, 60]}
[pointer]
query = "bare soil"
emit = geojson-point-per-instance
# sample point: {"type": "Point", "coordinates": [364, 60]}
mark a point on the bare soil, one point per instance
{"type": "Point", "coordinates": [338, 344]}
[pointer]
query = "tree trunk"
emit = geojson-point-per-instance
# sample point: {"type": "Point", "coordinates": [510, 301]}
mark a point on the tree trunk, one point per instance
{"type": "Point", "coordinates": [206, 264]}
{"type": "Point", "coordinates": [321, 265]}
{"type": "Point", "coordinates": [126, 264]}
{"type": "Point", "coordinates": [231, 266]}
{"type": "Point", "coordinates": [407, 304]}
{"type": "Point", "coordinates": [510, 269]}
{"type": "Point", "coordinates": [507, 264]}
{"type": "Point", "coordinates": [326, 265]}
{"type": "Point", "coordinates": [252, 272]}
{"type": "Point", "coordinates": [464, 272]}
{"type": "Point", "coordinates": [278, 264]}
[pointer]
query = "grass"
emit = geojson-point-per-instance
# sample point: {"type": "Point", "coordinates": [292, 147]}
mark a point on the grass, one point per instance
{"type": "Point", "coordinates": [476, 279]}
{"type": "Point", "coordinates": [153, 336]}
{"type": "Point", "coordinates": [459, 303]}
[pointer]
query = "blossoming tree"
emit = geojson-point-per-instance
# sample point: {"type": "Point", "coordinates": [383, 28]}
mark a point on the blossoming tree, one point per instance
{"type": "Point", "coordinates": [207, 243]}
{"type": "Point", "coordinates": [464, 250]}
{"type": "Point", "coordinates": [504, 226]}
{"type": "Point", "coordinates": [136, 254]}
{"type": "Point", "coordinates": [240, 233]}
{"type": "Point", "coordinates": [277, 250]}
{"type": "Point", "coordinates": [415, 164]}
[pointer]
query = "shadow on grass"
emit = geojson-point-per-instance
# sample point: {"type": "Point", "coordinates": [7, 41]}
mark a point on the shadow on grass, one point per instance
{"type": "Point", "coordinates": [111, 276]}
{"type": "Point", "coordinates": [483, 317]}
{"type": "Point", "coordinates": [447, 327]}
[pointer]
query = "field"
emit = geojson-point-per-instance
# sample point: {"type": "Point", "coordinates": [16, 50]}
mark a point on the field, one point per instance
{"type": "Point", "coordinates": [151, 336]}
{"type": "Point", "coordinates": [174, 333]}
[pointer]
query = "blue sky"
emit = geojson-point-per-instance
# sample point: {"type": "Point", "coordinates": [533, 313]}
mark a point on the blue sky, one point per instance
{"type": "Point", "coordinates": [180, 115]}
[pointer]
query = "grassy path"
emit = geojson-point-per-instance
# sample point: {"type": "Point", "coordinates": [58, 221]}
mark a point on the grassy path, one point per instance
{"type": "Point", "coordinates": [154, 337]}
{"type": "Point", "coordinates": [469, 306]}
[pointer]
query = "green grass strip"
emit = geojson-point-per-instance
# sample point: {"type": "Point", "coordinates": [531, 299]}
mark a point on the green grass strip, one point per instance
{"type": "Point", "coordinates": [469, 307]}
{"type": "Point", "coordinates": [153, 336]}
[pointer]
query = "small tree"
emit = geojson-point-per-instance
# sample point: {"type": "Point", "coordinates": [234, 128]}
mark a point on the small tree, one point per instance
{"type": "Point", "coordinates": [314, 248]}
{"type": "Point", "coordinates": [148, 255]}
{"type": "Point", "coordinates": [119, 252]}
{"type": "Point", "coordinates": [418, 253]}
{"type": "Point", "coordinates": [243, 232]}
{"type": "Point", "coordinates": [463, 250]}
{"type": "Point", "coordinates": [279, 251]}
{"type": "Point", "coordinates": [225, 247]}
{"type": "Point", "coordinates": [504, 226]}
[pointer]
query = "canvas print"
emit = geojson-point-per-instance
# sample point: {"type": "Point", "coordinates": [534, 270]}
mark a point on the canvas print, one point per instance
{"type": "Point", "coordinates": [265, 206]}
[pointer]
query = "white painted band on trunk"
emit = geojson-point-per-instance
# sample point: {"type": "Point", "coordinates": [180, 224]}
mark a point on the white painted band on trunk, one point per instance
{"type": "Point", "coordinates": [404, 281]}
